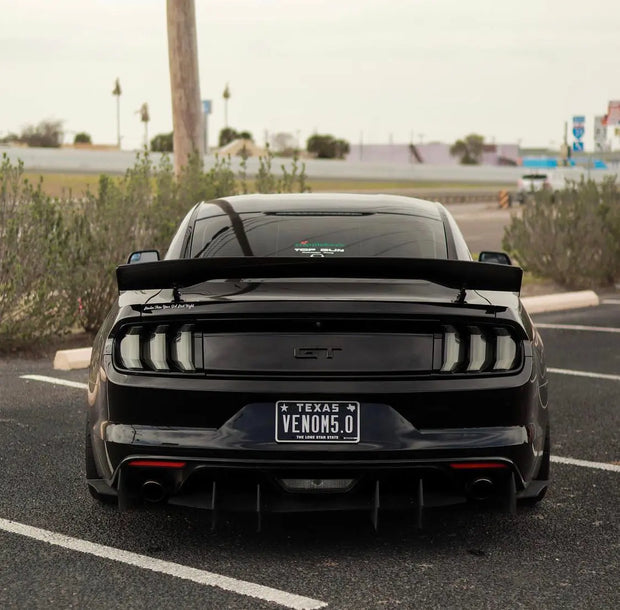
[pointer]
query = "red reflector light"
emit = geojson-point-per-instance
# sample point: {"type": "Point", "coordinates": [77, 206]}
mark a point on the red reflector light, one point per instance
{"type": "Point", "coordinates": [157, 464]}
{"type": "Point", "coordinates": [477, 465]}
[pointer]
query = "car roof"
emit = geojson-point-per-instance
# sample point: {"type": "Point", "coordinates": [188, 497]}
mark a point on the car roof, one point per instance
{"type": "Point", "coordinates": [322, 202]}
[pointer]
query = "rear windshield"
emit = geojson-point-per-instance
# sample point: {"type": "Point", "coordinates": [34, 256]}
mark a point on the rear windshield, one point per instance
{"type": "Point", "coordinates": [319, 234]}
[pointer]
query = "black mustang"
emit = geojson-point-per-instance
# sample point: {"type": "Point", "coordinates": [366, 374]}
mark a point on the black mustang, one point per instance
{"type": "Point", "coordinates": [317, 352]}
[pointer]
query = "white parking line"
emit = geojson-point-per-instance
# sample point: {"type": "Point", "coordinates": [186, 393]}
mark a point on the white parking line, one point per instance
{"type": "Point", "coordinates": [610, 302]}
{"type": "Point", "coordinates": [585, 464]}
{"type": "Point", "coordinates": [585, 374]}
{"type": "Point", "coordinates": [202, 577]}
{"type": "Point", "coordinates": [599, 329]}
{"type": "Point", "coordinates": [57, 381]}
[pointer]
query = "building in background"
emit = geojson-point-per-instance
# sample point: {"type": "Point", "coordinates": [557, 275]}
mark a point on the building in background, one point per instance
{"type": "Point", "coordinates": [433, 153]}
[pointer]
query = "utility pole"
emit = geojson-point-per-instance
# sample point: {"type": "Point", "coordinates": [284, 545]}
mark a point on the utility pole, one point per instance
{"type": "Point", "coordinates": [565, 149]}
{"type": "Point", "coordinates": [184, 84]}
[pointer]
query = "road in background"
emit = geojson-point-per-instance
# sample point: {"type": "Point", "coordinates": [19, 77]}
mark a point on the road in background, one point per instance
{"type": "Point", "coordinates": [482, 224]}
{"type": "Point", "coordinates": [117, 162]}
{"type": "Point", "coordinates": [562, 554]}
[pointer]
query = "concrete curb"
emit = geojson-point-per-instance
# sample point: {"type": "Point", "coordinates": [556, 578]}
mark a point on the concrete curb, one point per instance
{"type": "Point", "coordinates": [560, 301]}
{"type": "Point", "coordinates": [69, 359]}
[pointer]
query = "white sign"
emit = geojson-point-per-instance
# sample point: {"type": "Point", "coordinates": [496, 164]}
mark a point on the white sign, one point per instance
{"type": "Point", "coordinates": [600, 134]}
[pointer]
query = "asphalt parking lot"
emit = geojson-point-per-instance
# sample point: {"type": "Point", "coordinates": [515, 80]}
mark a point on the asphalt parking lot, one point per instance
{"type": "Point", "coordinates": [59, 548]}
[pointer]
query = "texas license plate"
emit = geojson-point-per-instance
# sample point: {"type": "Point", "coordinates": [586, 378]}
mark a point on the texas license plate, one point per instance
{"type": "Point", "coordinates": [299, 421]}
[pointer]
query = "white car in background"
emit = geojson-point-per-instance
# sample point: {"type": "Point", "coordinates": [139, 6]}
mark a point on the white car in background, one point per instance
{"type": "Point", "coordinates": [538, 181]}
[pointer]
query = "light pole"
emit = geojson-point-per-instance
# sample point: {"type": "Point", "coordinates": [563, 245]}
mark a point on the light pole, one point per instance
{"type": "Point", "coordinates": [117, 92]}
{"type": "Point", "coordinates": [206, 111]}
{"type": "Point", "coordinates": [145, 118]}
{"type": "Point", "coordinates": [226, 96]}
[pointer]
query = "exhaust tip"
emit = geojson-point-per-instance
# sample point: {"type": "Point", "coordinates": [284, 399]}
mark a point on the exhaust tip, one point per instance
{"type": "Point", "coordinates": [481, 489]}
{"type": "Point", "coordinates": [153, 491]}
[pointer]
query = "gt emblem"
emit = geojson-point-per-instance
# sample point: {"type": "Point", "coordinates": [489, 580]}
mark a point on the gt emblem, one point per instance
{"type": "Point", "coordinates": [316, 352]}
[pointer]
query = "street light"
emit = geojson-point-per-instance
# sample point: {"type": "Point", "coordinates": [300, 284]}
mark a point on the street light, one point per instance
{"type": "Point", "coordinates": [145, 117]}
{"type": "Point", "coordinates": [226, 96]}
{"type": "Point", "coordinates": [117, 92]}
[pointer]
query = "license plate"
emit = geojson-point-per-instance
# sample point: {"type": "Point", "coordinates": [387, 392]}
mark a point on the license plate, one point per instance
{"type": "Point", "coordinates": [300, 421]}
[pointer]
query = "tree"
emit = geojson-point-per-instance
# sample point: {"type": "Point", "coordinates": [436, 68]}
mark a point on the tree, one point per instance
{"type": "Point", "coordinates": [82, 138]}
{"type": "Point", "coordinates": [327, 147]}
{"type": "Point", "coordinates": [469, 149]}
{"type": "Point", "coordinates": [162, 142]}
{"type": "Point", "coordinates": [283, 143]}
{"type": "Point", "coordinates": [10, 137]}
{"type": "Point", "coordinates": [228, 134]}
{"type": "Point", "coordinates": [47, 134]}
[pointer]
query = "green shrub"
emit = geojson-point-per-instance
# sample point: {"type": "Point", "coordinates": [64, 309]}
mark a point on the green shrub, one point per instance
{"type": "Point", "coordinates": [58, 256]}
{"type": "Point", "coordinates": [162, 142]}
{"type": "Point", "coordinates": [572, 236]}
{"type": "Point", "coordinates": [82, 138]}
{"type": "Point", "coordinates": [33, 257]}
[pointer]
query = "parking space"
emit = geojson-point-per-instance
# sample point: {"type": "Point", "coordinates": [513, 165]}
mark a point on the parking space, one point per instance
{"type": "Point", "coordinates": [562, 554]}
{"type": "Point", "coordinates": [586, 409]}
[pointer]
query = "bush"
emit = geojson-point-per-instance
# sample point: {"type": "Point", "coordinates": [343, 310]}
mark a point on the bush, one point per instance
{"type": "Point", "coordinates": [162, 142]}
{"type": "Point", "coordinates": [82, 138]}
{"type": "Point", "coordinates": [58, 256]}
{"type": "Point", "coordinates": [327, 147]}
{"type": "Point", "coordinates": [33, 256]}
{"type": "Point", "coordinates": [572, 236]}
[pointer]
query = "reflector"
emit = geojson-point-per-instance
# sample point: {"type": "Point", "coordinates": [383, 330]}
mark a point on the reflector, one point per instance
{"type": "Point", "coordinates": [477, 465]}
{"type": "Point", "coordinates": [157, 464]}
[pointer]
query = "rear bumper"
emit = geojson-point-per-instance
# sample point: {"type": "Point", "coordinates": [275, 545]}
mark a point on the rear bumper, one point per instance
{"type": "Point", "coordinates": [212, 449]}
{"type": "Point", "coordinates": [411, 432]}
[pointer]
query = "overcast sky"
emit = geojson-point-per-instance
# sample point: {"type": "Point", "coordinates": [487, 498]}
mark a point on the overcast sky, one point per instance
{"type": "Point", "coordinates": [511, 70]}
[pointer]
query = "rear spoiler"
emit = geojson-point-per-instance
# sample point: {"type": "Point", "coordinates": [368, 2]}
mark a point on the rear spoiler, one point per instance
{"type": "Point", "coordinates": [179, 273]}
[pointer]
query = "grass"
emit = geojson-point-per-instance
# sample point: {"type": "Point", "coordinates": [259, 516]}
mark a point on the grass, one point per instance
{"type": "Point", "coordinates": [58, 185]}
